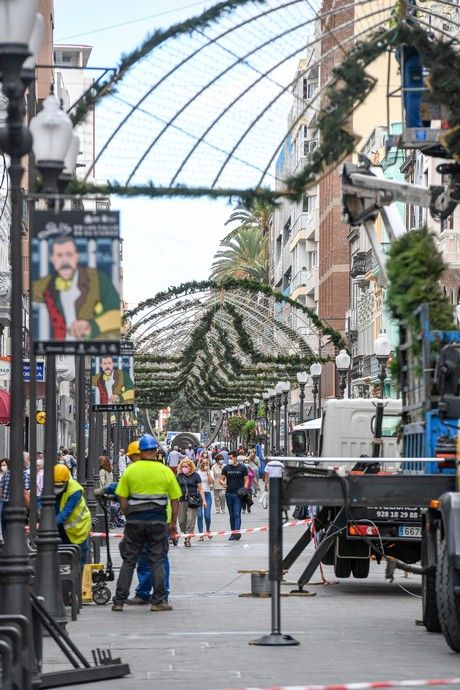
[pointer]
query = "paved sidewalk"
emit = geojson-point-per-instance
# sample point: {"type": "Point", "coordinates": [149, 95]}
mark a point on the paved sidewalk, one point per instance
{"type": "Point", "coordinates": [357, 630]}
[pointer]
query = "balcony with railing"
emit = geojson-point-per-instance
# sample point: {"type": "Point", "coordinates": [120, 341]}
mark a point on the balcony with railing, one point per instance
{"type": "Point", "coordinates": [305, 282]}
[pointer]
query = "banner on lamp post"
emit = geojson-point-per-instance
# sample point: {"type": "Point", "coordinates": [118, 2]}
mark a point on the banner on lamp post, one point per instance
{"type": "Point", "coordinates": [75, 268]}
{"type": "Point", "coordinates": [112, 381]}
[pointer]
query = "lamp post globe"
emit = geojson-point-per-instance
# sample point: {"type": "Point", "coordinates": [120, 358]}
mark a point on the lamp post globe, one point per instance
{"type": "Point", "coordinates": [51, 130]}
{"type": "Point", "coordinates": [342, 362]}
{"type": "Point", "coordinates": [382, 350]}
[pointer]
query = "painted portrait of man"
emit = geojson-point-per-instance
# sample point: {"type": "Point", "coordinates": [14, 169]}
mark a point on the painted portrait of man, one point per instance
{"type": "Point", "coordinates": [112, 384]}
{"type": "Point", "coordinates": [82, 302]}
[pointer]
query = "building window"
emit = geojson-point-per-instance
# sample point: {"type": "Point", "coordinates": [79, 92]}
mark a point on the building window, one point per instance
{"type": "Point", "coordinates": [309, 203]}
{"type": "Point", "coordinates": [309, 145]}
{"type": "Point", "coordinates": [309, 89]}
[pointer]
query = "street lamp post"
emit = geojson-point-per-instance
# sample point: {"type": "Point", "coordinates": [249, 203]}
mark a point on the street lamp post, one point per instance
{"type": "Point", "coordinates": [302, 378]}
{"type": "Point", "coordinates": [342, 362]}
{"type": "Point", "coordinates": [315, 373]}
{"type": "Point", "coordinates": [265, 398]}
{"type": "Point", "coordinates": [52, 133]}
{"type": "Point", "coordinates": [286, 388]}
{"type": "Point", "coordinates": [382, 349]}
{"type": "Point", "coordinates": [272, 397]}
{"type": "Point", "coordinates": [256, 402]}
{"type": "Point", "coordinates": [279, 404]}
{"type": "Point", "coordinates": [16, 27]}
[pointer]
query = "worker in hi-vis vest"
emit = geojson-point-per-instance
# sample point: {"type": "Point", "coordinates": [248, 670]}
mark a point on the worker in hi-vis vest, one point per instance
{"type": "Point", "coordinates": [72, 514]}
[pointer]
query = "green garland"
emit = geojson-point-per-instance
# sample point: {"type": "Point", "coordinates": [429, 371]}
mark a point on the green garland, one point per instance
{"type": "Point", "coordinates": [350, 86]}
{"type": "Point", "coordinates": [202, 21]}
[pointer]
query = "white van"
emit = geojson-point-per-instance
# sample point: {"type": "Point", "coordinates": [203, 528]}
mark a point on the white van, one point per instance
{"type": "Point", "coordinates": [346, 429]}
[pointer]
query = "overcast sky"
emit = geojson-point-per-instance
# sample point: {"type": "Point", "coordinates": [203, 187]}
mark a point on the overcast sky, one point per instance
{"type": "Point", "coordinates": [165, 242]}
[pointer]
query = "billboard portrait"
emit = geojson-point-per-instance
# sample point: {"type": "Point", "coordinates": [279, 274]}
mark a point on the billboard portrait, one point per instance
{"type": "Point", "coordinates": [112, 382]}
{"type": "Point", "coordinates": [75, 271]}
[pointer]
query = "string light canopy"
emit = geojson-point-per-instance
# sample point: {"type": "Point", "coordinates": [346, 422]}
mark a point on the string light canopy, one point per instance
{"type": "Point", "coordinates": [223, 130]}
{"type": "Point", "coordinates": [220, 343]}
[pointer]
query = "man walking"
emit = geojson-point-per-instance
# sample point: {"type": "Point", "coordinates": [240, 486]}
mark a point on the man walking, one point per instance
{"type": "Point", "coordinates": [235, 479]}
{"type": "Point", "coordinates": [174, 459]}
{"type": "Point", "coordinates": [144, 491]}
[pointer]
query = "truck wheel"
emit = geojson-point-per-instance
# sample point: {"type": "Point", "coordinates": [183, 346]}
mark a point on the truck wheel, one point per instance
{"type": "Point", "coordinates": [430, 613]}
{"type": "Point", "coordinates": [342, 567]}
{"type": "Point", "coordinates": [447, 579]}
{"type": "Point", "coordinates": [360, 567]}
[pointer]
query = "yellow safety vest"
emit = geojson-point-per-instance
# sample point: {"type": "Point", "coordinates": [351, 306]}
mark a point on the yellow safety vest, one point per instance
{"type": "Point", "coordinates": [78, 524]}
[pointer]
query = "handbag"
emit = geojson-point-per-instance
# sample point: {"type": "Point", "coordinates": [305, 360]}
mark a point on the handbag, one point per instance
{"type": "Point", "coordinates": [194, 500]}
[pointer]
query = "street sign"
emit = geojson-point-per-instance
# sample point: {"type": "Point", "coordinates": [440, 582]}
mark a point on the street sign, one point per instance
{"type": "Point", "coordinates": [39, 369]}
{"type": "Point", "coordinates": [76, 282]}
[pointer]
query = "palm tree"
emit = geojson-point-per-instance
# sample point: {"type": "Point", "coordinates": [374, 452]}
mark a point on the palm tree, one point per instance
{"type": "Point", "coordinates": [257, 216]}
{"type": "Point", "coordinates": [243, 254]}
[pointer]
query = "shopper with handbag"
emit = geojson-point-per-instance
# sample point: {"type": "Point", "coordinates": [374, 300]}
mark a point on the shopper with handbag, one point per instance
{"type": "Point", "coordinates": [235, 479]}
{"type": "Point", "coordinates": [192, 497]}
{"type": "Point", "coordinates": [207, 481]}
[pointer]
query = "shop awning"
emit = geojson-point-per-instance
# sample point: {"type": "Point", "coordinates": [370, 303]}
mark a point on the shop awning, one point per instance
{"type": "Point", "coordinates": [5, 405]}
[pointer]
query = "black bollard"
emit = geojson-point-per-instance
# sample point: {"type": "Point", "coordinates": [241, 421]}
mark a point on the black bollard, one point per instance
{"type": "Point", "coordinates": [275, 574]}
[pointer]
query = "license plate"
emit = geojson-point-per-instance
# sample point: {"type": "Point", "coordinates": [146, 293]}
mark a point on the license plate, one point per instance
{"type": "Point", "coordinates": [410, 531]}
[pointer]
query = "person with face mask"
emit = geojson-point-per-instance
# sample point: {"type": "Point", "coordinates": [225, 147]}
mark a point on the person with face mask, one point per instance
{"type": "Point", "coordinates": [72, 515]}
{"type": "Point", "coordinates": [192, 497]}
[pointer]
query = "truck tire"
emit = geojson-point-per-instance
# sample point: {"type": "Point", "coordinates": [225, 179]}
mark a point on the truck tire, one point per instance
{"type": "Point", "coordinates": [342, 567]}
{"type": "Point", "coordinates": [430, 615]}
{"type": "Point", "coordinates": [447, 578]}
{"type": "Point", "coordinates": [360, 567]}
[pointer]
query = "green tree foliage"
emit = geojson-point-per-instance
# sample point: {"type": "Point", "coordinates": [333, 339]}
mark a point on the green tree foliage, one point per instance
{"type": "Point", "coordinates": [243, 255]}
{"type": "Point", "coordinates": [256, 216]}
{"type": "Point", "coordinates": [414, 268]}
{"type": "Point", "coordinates": [183, 417]}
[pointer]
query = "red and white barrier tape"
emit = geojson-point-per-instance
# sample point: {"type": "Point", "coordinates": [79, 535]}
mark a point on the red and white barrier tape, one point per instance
{"type": "Point", "coordinates": [364, 686]}
{"type": "Point", "coordinates": [220, 533]}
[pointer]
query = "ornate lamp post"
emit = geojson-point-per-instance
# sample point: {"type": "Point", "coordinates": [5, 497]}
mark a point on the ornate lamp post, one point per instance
{"type": "Point", "coordinates": [279, 403]}
{"type": "Point", "coordinates": [342, 362]}
{"type": "Point", "coordinates": [265, 398]}
{"type": "Point", "coordinates": [17, 20]}
{"type": "Point", "coordinates": [272, 399]}
{"type": "Point", "coordinates": [382, 349]}
{"type": "Point", "coordinates": [315, 373]}
{"type": "Point", "coordinates": [286, 389]}
{"type": "Point", "coordinates": [302, 378]}
{"type": "Point", "coordinates": [52, 133]}
{"type": "Point", "coordinates": [256, 402]}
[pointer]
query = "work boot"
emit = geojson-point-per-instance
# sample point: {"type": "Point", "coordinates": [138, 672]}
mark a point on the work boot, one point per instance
{"type": "Point", "coordinates": [162, 606]}
{"type": "Point", "coordinates": [137, 601]}
{"type": "Point", "coordinates": [117, 607]}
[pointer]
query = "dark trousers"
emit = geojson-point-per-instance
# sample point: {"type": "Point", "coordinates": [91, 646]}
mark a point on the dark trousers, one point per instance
{"type": "Point", "coordinates": [234, 510]}
{"type": "Point", "coordinates": [144, 575]}
{"type": "Point", "coordinates": [154, 537]}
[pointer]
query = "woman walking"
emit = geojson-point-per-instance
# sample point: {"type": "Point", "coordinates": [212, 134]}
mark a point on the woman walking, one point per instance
{"type": "Point", "coordinates": [105, 471]}
{"type": "Point", "coordinates": [192, 497]}
{"type": "Point", "coordinates": [219, 490]}
{"type": "Point", "coordinates": [253, 462]}
{"type": "Point", "coordinates": [207, 482]}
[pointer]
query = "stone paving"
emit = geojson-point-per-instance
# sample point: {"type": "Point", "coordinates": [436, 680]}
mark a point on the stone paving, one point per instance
{"type": "Point", "coordinates": [353, 631]}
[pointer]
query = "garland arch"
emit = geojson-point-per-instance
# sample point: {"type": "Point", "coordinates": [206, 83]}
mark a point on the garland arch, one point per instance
{"type": "Point", "coordinates": [225, 342]}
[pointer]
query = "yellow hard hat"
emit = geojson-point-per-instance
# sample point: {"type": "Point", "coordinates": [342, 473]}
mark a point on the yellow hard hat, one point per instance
{"type": "Point", "coordinates": [61, 474]}
{"type": "Point", "coordinates": [133, 448]}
